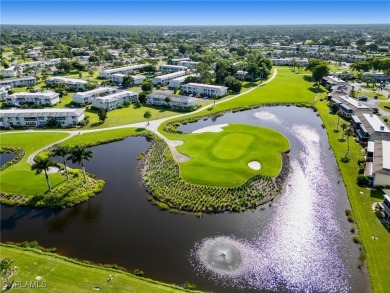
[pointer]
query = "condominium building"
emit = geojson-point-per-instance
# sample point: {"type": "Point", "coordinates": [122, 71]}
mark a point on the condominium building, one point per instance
{"type": "Point", "coordinates": [45, 98]}
{"type": "Point", "coordinates": [118, 78]}
{"type": "Point", "coordinates": [161, 98]}
{"type": "Point", "coordinates": [205, 89]}
{"type": "Point", "coordinates": [349, 106]}
{"type": "Point", "coordinates": [88, 96]}
{"type": "Point", "coordinates": [378, 76]}
{"type": "Point", "coordinates": [289, 61]}
{"type": "Point", "coordinates": [39, 117]}
{"type": "Point", "coordinates": [172, 68]}
{"type": "Point", "coordinates": [73, 84]}
{"type": "Point", "coordinates": [378, 163]}
{"type": "Point", "coordinates": [106, 73]}
{"type": "Point", "coordinates": [15, 82]}
{"type": "Point", "coordinates": [111, 102]}
{"type": "Point", "coordinates": [164, 79]}
{"type": "Point", "coordinates": [179, 81]}
{"type": "Point", "coordinates": [188, 64]}
{"type": "Point", "coordinates": [177, 60]}
{"type": "Point", "coordinates": [370, 127]}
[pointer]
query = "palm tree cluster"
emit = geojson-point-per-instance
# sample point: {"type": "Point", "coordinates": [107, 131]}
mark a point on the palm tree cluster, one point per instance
{"type": "Point", "coordinates": [77, 154]}
{"type": "Point", "coordinates": [161, 175]}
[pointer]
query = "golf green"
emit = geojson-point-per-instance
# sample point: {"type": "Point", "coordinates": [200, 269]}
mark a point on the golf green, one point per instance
{"type": "Point", "coordinates": [221, 158]}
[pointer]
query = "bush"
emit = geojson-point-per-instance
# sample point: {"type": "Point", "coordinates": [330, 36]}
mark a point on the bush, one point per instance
{"type": "Point", "coordinates": [363, 180]}
{"type": "Point", "coordinates": [356, 239]}
{"type": "Point", "coordinates": [189, 286]}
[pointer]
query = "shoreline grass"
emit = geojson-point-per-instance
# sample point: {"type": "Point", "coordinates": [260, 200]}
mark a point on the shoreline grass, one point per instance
{"type": "Point", "coordinates": [62, 274]}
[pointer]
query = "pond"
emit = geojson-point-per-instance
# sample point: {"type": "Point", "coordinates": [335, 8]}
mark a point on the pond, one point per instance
{"type": "Point", "coordinates": [6, 157]}
{"type": "Point", "coordinates": [302, 243]}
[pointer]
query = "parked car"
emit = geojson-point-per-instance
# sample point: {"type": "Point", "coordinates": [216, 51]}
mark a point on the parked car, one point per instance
{"type": "Point", "coordinates": [363, 99]}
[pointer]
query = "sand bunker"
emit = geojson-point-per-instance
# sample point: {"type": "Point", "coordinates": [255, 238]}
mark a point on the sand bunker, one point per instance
{"type": "Point", "coordinates": [214, 128]}
{"type": "Point", "coordinates": [255, 165]}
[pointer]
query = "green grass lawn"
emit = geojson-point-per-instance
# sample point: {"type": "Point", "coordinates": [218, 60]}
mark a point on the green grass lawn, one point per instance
{"type": "Point", "coordinates": [66, 275]}
{"type": "Point", "coordinates": [126, 115]}
{"type": "Point", "coordinates": [383, 104]}
{"type": "Point", "coordinates": [19, 178]}
{"type": "Point", "coordinates": [287, 87]}
{"type": "Point", "coordinates": [94, 137]}
{"type": "Point", "coordinates": [221, 159]}
{"type": "Point", "coordinates": [361, 199]}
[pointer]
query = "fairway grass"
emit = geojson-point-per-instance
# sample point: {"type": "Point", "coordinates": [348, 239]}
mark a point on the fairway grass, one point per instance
{"type": "Point", "coordinates": [361, 200]}
{"type": "Point", "coordinates": [62, 274]}
{"type": "Point", "coordinates": [221, 159]}
{"type": "Point", "coordinates": [19, 179]}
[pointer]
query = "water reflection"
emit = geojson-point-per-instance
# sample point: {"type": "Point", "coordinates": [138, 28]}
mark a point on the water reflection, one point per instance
{"type": "Point", "coordinates": [301, 243]}
{"type": "Point", "coordinates": [298, 249]}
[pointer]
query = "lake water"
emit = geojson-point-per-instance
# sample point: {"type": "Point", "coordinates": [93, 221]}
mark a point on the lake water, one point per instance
{"type": "Point", "coordinates": [301, 243]}
{"type": "Point", "coordinates": [6, 157]}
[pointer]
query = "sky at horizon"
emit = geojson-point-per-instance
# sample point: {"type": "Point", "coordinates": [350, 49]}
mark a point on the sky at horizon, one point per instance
{"type": "Point", "coordinates": [216, 12]}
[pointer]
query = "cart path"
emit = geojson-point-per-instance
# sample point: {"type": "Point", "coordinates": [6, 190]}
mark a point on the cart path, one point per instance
{"type": "Point", "coordinates": [151, 126]}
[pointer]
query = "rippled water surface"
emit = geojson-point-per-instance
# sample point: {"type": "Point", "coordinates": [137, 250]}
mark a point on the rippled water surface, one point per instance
{"type": "Point", "coordinates": [6, 157]}
{"type": "Point", "coordinates": [301, 243]}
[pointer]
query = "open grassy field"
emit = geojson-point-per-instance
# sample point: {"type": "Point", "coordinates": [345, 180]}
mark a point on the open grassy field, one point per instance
{"type": "Point", "coordinates": [287, 87]}
{"type": "Point", "coordinates": [221, 159]}
{"type": "Point", "coordinates": [99, 136]}
{"type": "Point", "coordinates": [385, 106]}
{"type": "Point", "coordinates": [19, 178]}
{"type": "Point", "coordinates": [62, 274]}
{"type": "Point", "coordinates": [361, 199]}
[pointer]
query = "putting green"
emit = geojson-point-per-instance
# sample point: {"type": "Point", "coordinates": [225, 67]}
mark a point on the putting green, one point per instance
{"type": "Point", "coordinates": [221, 159]}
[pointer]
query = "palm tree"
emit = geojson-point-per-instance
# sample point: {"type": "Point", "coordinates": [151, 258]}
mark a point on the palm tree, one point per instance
{"type": "Point", "coordinates": [344, 126]}
{"type": "Point", "coordinates": [147, 115]}
{"type": "Point", "coordinates": [338, 113]}
{"type": "Point", "coordinates": [43, 163]}
{"type": "Point", "coordinates": [78, 154]}
{"type": "Point", "coordinates": [348, 133]}
{"type": "Point", "coordinates": [62, 150]}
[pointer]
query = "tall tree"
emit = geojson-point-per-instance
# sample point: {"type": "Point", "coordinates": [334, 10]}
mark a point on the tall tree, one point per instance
{"type": "Point", "coordinates": [63, 151]}
{"type": "Point", "coordinates": [147, 115]}
{"type": "Point", "coordinates": [42, 164]}
{"type": "Point", "coordinates": [319, 72]}
{"type": "Point", "coordinates": [102, 114]}
{"type": "Point", "coordinates": [79, 154]}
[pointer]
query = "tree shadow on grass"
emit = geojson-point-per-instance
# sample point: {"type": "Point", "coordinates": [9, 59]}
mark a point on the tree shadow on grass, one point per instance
{"type": "Point", "coordinates": [316, 90]}
{"type": "Point", "coordinates": [97, 124]}
{"type": "Point", "coordinates": [375, 193]}
{"type": "Point", "coordinates": [307, 78]}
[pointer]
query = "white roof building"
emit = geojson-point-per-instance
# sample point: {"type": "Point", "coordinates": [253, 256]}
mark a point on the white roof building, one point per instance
{"type": "Point", "coordinates": [204, 89]}
{"type": "Point", "coordinates": [177, 60]}
{"type": "Point", "coordinates": [45, 98]}
{"type": "Point", "coordinates": [73, 84]}
{"type": "Point", "coordinates": [106, 73]}
{"type": "Point", "coordinates": [172, 68]}
{"type": "Point", "coordinates": [39, 117]}
{"type": "Point", "coordinates": [159, 98]}
{"type": "Point", "coordinates": [112, 101]}
{"type": "Point", "coordinates": [379, 169]}
{"type": "Point", "coordinates": [164, 79]}
{"type": "Point", "coordinates": [88, 96]}
{"type": "Point", "coordinates": [22, 81]}
{"type": "Point", "coordinates": [369, 127]}
{"type": "Point", "coordinates": [179, 81]}
{"type": "Point", "coordinates": [188, 64]}
{"type": "Point", "coordinates": [118, 78]}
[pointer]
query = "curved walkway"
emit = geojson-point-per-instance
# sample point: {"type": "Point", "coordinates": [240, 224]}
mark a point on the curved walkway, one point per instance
{"type": "Point", "coordinates": [151, 126]}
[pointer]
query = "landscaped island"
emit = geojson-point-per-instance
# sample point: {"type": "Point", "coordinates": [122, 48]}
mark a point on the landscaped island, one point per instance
{"type": "Point", "coordinates": [217, 177]}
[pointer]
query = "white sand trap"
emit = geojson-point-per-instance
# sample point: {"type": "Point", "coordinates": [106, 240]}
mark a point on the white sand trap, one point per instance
{"type": "Point", "coordinates": [53, 170]}
{"type": "Point", "coordinates": [175, 142]}
{"type": "Point", "coordinates": [255, 165]}
{"type": "Point", "coordinates": [214, 128]}
{"type": "Point", "coordinates": [267, 116]}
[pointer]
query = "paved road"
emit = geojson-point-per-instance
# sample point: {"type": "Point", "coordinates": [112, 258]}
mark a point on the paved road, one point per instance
{"type": "Point", "coordinates": [371, 102]}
